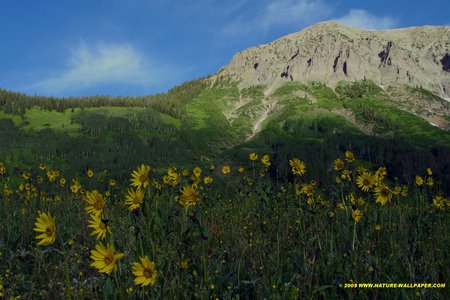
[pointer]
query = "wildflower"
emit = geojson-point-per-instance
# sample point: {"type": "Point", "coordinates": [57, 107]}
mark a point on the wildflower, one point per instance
{"type": "Point", "coordinates": [52, 175]}
{"type": "Point", "coordinates": [338, 180]}
{"type": "Point", "coordinates": [331, 214]}
{"type": "Point", "coordinates": [189, 196]}
{"type": "Point", "coordinates": [185, 172]}
{"type": "Point", "coordinates": [184, 264]}
{"type": "Point", "coordinates": [338, 164]}
{"type": "Point", "coordinates": [112, 182]}
{"type": "Point", "coordinates": [226, 170]}
{"type": "Point", "coordinates": [429, 172]}
{"type": "Point", "coordinates": [262, 173]}
{"type": "Point", "coordinates": [241, 170]}
{"type": "Point", "coordinates": [266, 161]}
{"type": "Point", "coordinates": [207, 180]}
{"type": "Point", "coordinates": [404, 191]}
{"type": "Point", "coordinates": [253, 156]}
{"type": "Point", "coordinates": [75, 188]}
{"type": "Point", "coordinates": [25, 175]}
{"type": "Point", "coordinates": [145, 272]}
{"type": "Point", "coordinates": [45, 224]}
{"type": "Point", "coordinates": [349, 156]}
{"type": "Point", "coordinates": [365, 182]}
{"type": "Point", "coordinates": [439, 202]}
{"type": "Point", "coordinates": [173, 177]}
{"type": "Point", "coordinates": [383, 194]}
{"type": "Point", "coordinates": [308, 188]}
{"type": "Point", "coordinates": [2, 168]}
{"type": "Point", "coordinates": [101, 227]}
{"type": "Point", "coordinates": [346, 175]}
{"type": "Point", "coordinates": [419, 180]}
{"type": "Point", "coordinates": [378, 227]}
{"type": "Point", "coordinates": [381, 173]}
{"type": "Point", "coordinates": [140, 177]}
{"type": "Point", "coordinates": [298, 167]}
{"type": "Point", "coordinates": [197, 172]}
{"type": "Point", "coordinates": [357, 215]}
{"type": "Point", "coordinates": [89, 173]}
{"type": "Point", "coordinates": [42, 166]}
{"type": "Point", "coordinates": [96, 203]}
{"type": "Point", "coordinates": [430, 181]}
{"type": "Point", "coordinates": [134, 199]}
{"type": "Point", "coordinates": [62, 181]}
{"type": "Point", "coordinates": [361, 170]}
{"type": "Point", "coordinates": [105, 259]}
{"type": "Point", "coordinates": [211, 167]}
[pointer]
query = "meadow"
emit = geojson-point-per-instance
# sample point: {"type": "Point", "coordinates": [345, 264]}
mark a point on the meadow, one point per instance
{"type": "Point", "coordinates": [233, 230]}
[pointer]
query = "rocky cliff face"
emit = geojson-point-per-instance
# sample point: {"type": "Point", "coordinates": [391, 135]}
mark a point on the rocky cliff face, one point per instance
{"type": "Point", "coordinates": [330, 52]}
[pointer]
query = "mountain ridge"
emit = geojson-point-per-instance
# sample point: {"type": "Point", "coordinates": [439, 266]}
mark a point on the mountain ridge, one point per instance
{"type": "Point", "coordinates": [330, 52]}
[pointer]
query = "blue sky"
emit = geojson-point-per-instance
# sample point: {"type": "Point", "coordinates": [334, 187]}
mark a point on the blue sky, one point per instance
{"type": "Point", "coordinates": [137, 47]}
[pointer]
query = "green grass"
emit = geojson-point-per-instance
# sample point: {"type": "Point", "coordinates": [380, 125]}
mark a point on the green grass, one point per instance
{"type": "Point", "coordinates": [248, 237]}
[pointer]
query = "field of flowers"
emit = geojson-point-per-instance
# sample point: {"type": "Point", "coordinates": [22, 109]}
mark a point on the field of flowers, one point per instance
{"type": "Point", "coordinates": [221, 232]}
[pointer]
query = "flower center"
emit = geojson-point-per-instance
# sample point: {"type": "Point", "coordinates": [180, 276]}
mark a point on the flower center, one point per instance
{"type": "Point", "coordinates": [98, 205]}
{"type": "Point", "coordinates": [49, 231]}
{"type": "Point", "coordinates": [102, 226]}
{"type": "Point", "coordinates": [108, 259]}
{"type": "Point", "coordinates": [148, 273]}
{"type": "Point", "coordinates": [143, 178]}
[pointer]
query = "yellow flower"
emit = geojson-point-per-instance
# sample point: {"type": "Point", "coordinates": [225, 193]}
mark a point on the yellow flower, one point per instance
{"type": "Point", "coordinates": [378, 227]}
{"type": "Point", "coordinates": [104, 259]}
{"type": "Point", "coordinates": [266, 160]}
{"type": "Point", "coordinates": [89, 173]}
{"type": "Point", "coordinates": [184, 264]}
{"type": "Point", "coordinates": [357, 215]}
{"type": "Point", "coordinates": [189, 196]}
{"type": "Point", "coordinates": [346, 175]}
{"type": "Point", "coordinates": [134, 199]}
{"type": "Point", "coordinates": [2, 168]}
{"type": "Point", "coordinates": [429, 172]}
{"type": "Point", "coordinates": [207, 180]}
{"type": "Point", "coordinates": [253, 156]}
{"type": "Point", "coordinates": [365, 182]}
{"type": "Point", "coordinates": [140, 177]}
{"type": "Point", "coordinates": [338, 164]}
{"type": "Point", "coordinates": [331, 214]}
{"type": "Point", "coordinates": [211, 167]}
{"type": "Point", "coordinates": [308, 188]}
{"type": "Point", "coordinates": [185, 172]}
{"type": "Point", "coordinates": [404, 191]}
{"type": "Point", "coordinates": [96, 203]}
{"type": "Point", "coordinates": [45, 224]}
{"type": "Point", "coordinates": [226, 169]}
{"type": "Point", "coordinates": [298, 167]}
{"type": "Point", "coordinates": [75, 187]}
{"type": "Point", "coordinates": [145, 272]}
{"type": "Point", "coordinates": [262, 173]}
{"type": "Point", "coordinates": [430, 181]}
{"type": "Point", "coordinates": [361, 170]}
{"type": "Point", "coordinates": [419, 180]}
{"type": "Point", "coordinates": [62, 181]}
{"type": "Point", "coordinates": [112, 182]}
{"type": "Point", "coordinates": [241, 170]}
{"type": "Point", "coordinates": [42, 166]}
{"type": "Point", "coordinates": [380, 173]}
{"type": "Point", "coordinates": [439, 202]}
{"type": "Point", "coordinates": [26, 175]}
{"type": "Point", "coordinates": [349, 156]}
{"type": "Point", "coordinates": [383, 194]}
{"type": "Point", "coordinates": [197, 172]}
{"type": "Point", "coordinates": [101, 227]}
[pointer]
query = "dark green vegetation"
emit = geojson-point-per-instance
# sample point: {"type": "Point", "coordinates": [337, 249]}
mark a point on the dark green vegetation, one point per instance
{"type": "Point", "coordinates": [256, 241]}
{"type": "Point", "coordinates": [202, 121]}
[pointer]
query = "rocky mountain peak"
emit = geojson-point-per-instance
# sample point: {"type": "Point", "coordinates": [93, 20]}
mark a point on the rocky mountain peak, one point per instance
{"type": "Point", "coordinates": [330, 52]}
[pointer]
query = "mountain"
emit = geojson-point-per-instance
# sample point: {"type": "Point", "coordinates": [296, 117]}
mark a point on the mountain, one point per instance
{"type": "Point", "coordinates": [312, 94]}
{"type": "Point", "coordinates": [330, 52]}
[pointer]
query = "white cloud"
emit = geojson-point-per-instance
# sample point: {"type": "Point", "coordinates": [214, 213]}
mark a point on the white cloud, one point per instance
{"type": "Point", "coordinates": [101, 64]}
{"type": "Point", "coordinates": [363, 19]}
{"type": "Point", "coordinates": [292, 13]}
